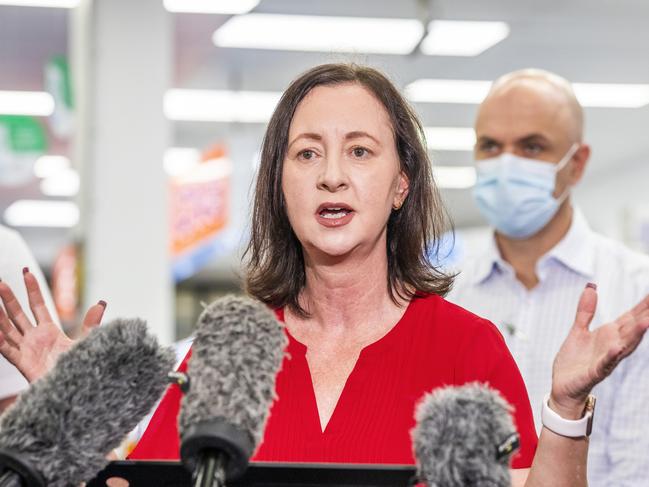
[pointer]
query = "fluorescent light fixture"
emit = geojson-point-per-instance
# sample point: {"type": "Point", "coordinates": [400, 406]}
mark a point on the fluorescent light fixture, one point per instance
{"type": "Point", "coordinates": [450, 138]}
{"type": "Point", "coordinates": [592, 95]}
{"type": "Point", "coordinates": [454, 177]}
{"type": "Point", "coordinates": [42, 213]}
{"type": "Point", "coordinates": [35, 103]}
{"type": "Point", "coordinates": [41, 3]}
{"type": "Point", "coordinates": [63, 183]}
{"type": "Point", "coordinates": [447, 91]}
{"type": "Point", "coordinates": [320, 33]}
{"type": "Point", "coordinates": [49, 165]}
{"type": "Point", "coordinates": [462, 38]}
{"type": "Point", "coordinates": [612, 95]}
{"type": "Point", "coordinates": [220, 106]}
{"type": "Point", "coordinates": [224, 7]}
{"type": "Point", "coordinates": [179, 160]}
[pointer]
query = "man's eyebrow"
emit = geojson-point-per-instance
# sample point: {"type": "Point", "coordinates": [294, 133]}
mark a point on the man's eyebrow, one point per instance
{"type": "Point", "coordinates": [532, 137]}
{"type": "Point", "coordinates": [485, 138]}
{"type": "Point", "coordinates": [305, 135]}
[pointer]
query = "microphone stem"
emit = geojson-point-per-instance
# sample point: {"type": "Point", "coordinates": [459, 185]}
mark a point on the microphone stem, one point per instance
{"type": "Point", "coordinates": [10, 479]}
{"type": "Point", "coordinates": [211, 470]}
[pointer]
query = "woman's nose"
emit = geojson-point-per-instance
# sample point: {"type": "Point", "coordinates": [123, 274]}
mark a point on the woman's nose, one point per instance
{"type": "Point", "coordinates": [333, 176]}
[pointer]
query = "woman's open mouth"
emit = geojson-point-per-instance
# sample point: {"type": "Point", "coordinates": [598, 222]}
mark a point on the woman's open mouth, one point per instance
{"type": "Point", "coordinates": [334, 214]}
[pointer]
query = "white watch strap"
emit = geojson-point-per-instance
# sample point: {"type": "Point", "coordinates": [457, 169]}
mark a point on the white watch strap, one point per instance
{"type": "Point", "coordinates": [565, 427]}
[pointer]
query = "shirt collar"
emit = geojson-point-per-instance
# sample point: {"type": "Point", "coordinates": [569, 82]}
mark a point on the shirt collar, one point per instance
{"type": "Point", "coordinates": [576, 251]}
{"type": "Point", "coordinates": [488, 262]}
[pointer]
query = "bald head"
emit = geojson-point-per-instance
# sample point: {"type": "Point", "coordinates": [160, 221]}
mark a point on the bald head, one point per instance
{"type": "Point", "coordinates": [550, 95]}
{"type": "Point", "coordinates": [533, 114]}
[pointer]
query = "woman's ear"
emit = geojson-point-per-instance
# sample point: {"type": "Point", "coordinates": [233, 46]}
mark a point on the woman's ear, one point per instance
{"type": "Point", "coordinates": [403, 185]}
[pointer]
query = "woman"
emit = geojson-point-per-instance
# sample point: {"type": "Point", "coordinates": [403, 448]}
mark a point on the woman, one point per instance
{"type": "Point", "coordinates": [344, 209]}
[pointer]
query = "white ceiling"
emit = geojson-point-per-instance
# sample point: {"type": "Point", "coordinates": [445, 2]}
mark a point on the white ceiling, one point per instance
{"type": "Point", "coordinates": [584, 40]}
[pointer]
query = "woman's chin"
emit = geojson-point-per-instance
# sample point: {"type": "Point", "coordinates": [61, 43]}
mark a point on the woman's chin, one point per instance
{"type": "Point", "coordinates": [331, 250]}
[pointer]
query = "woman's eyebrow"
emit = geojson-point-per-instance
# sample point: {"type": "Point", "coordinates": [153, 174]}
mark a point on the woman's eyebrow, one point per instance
{"type": "Point", "coordinates": [306, 135]}
{"type": "Point", "coordinates": [357, 134]}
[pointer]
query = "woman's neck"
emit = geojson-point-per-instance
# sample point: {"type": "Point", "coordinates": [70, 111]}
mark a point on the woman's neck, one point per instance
{"type": "Point", "coordinates": [348, 292]}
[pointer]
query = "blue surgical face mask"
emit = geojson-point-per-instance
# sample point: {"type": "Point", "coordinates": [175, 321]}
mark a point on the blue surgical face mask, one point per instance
{"type": "Point", "coordinates": [515, 194]}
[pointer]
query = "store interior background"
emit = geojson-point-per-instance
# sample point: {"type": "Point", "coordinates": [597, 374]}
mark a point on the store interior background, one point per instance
{"type": "Point", "coordinates": [123, 148]}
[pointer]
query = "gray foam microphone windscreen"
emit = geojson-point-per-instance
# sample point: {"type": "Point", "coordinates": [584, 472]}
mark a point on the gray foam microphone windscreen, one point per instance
{"type": "Point", "coordinates": [236, 355]}
{"type": "Point", "coordinates": [66, 423]}
{"type": "Point", "coordinates": [464, 437]}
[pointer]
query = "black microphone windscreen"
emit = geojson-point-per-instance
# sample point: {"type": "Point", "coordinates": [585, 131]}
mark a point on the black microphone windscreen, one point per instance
{"type": "Point", "coordinates": [68, 421]}
{"type": "Point", "coordinates": [464, 437]}
{"type": "Point", "coordinates": [236, 354]}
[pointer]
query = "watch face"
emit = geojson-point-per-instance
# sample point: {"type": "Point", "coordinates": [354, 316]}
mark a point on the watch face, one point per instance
{"type": "Point", "coordinates": [590, 408]}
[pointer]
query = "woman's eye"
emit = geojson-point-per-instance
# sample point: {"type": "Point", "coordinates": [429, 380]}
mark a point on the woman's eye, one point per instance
{"type": "Point", "coordinates": [306, 154]}
{"type": "Point", "coordinates": [360, 152]}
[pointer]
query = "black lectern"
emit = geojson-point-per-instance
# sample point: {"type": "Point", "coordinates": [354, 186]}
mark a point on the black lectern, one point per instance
{"type": "Point", "coordinates": [173, 474]}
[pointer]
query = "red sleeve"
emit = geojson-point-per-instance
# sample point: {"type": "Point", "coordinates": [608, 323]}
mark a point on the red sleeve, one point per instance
{"type": "Point", "coordinates": [161, 440]}
{"type": "Point", "coordinates": [488, 360]}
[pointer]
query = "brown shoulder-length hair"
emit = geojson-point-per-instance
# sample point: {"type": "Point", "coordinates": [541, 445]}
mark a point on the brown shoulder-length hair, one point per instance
{"type": "Point", "coordinates": [275, 262]}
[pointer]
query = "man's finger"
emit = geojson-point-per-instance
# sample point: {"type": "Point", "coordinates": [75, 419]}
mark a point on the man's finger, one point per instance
{"type": "Point", "coordinates": [14, 310]}
{"type": "Point", "coordinates": [35, 297]}
{"type": "Point", "coordinates": [586, 307]}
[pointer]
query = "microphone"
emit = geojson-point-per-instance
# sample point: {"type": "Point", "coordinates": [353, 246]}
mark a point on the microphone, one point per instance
{"type": "Point", "coordinates": [236, 354]}
{"type": "Point", "coordinates": [464, 437]}
{"type": "Point", "coordinates": [60, 430]}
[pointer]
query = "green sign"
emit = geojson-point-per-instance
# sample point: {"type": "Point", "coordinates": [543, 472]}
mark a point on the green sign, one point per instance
{"type": "Point", "coordinates": [22, 141]}
{"type": "Point", "coordinates": [23, 134]}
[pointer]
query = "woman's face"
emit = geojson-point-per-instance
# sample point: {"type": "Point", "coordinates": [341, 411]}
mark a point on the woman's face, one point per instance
{"type": "Point", "coordinates": [341, 175]}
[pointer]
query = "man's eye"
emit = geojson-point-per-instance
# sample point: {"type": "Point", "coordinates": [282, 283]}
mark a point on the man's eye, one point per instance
{"type": "Point", "coordinates": [487, 147]}
{"type": "Point", "coordinates": [533, 149]}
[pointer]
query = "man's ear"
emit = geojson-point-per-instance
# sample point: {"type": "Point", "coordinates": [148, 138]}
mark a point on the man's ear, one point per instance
{"type": "Point", "coordinates": [580, 159]}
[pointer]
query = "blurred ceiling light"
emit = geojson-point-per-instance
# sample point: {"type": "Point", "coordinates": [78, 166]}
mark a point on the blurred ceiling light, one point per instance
{"type": "Point", "coordinates": [447, 91]}
{"type": "Point", "coordinates": [462, 38]}
{"type": "Point", "coordinates": [63, 183]}
{"type": "Point", "coordinates": [220, 105]}
{"type": "Point", "coordinates": [595, 95]}
{"type": "Point", "coordinates": [320, 33]}
{"type": "Point", "coordinates": [450, 138]}
{"type": "Point", "coordinates": [454, 177]}
{"type": "Point", "coordinates": [612, 95]}
{"type": "Point", "coordinates": [225, 7]}
{"type": "Point", "coordinates": [35, 103]}
{"type": "Point", "coordinates": [41, 3]}
{"type": "Point", "coordinates": [49, 165]}
{"type": "Point", "coordinates": [42, 213]}
{"type": "Point", "coordinates": [179, 160]}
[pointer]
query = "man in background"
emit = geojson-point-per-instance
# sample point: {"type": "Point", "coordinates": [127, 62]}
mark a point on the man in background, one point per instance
{"type": "Point", "coordinates": [529, 155]}
{"type": "Point", "coordinates": [14, 256]}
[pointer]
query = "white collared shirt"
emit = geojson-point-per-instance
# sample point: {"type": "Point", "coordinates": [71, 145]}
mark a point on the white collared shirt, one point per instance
{"type": "Point", "coordinates": [535, 323]}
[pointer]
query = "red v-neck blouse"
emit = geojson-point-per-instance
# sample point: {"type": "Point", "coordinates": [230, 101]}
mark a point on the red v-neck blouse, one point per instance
{"type": "Point", "coordinates": [435, 343]}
